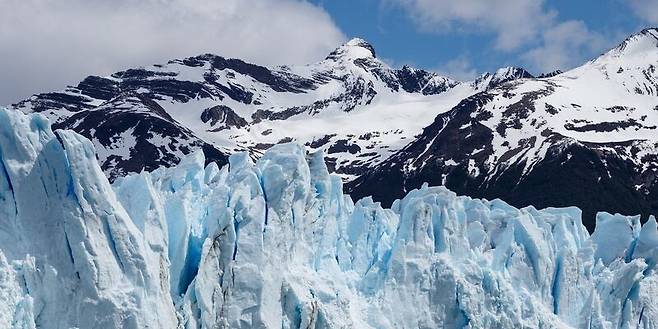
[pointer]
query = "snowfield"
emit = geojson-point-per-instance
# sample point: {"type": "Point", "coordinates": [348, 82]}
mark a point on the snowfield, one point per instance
{"type": "Point", "coordinates": [276, 244]}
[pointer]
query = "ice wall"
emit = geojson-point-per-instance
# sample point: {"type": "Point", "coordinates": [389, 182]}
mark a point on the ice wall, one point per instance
{"type": "Point", "coordinates": [276, 244]}
{"type": "Point", "coordinates": [70, 254]}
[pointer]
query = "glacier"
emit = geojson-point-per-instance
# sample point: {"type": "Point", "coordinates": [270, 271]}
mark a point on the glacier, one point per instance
{"type": "Point", "coordinates": [276, 244]}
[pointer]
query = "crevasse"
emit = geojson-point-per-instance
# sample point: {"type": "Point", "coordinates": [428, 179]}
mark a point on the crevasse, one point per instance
{"type": "Point", "coordinates": [276, 244]}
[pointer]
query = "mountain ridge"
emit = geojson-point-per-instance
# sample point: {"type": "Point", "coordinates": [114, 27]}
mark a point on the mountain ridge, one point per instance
{"type": "Point", "coordinates": [367, 116]}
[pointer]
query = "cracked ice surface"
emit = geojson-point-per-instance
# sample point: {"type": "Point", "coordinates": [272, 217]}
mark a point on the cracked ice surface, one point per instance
{"type": "Point", "coordinates": [276, 244]}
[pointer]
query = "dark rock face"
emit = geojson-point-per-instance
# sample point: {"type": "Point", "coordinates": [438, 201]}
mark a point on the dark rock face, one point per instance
{"type": "Point", "coordinates": [502, 76]}
{"type": "Point", "coordinates": [549, 74]}
{"type": "Point", "coordinates": [99, 88]}
{"type": "Point", "coordinates": [47, 101]}
{"type": "Point", "coordinates": [607, 126]}
{"type": "Point", "coordinates": [222, 117]}
{"type": "Point", "coordinates": [412, 81]}
{"type": "Point", "coordinates": [344, 146]}
{"type": "Point", "coordinates": [321, 141]}
{"type": "Point", "coordinates": [278, 82]}
{"type": "Point", "coordinates": [454, 150]}
{"type": "Point", "coordinates": [130, 140]}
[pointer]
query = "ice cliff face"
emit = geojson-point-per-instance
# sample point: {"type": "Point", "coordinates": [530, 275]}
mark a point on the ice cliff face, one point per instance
{"type": "Point", "coordinates": [276, 244]}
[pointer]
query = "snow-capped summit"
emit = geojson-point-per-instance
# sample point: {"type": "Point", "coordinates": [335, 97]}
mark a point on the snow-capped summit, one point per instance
{"type": "Point", "coordinates": [510, 73]}
{"type": "Point", "coordinates": [631, 65]}
{"type": "Point", "coordinates": [354, 49]}
{"type": "Point", "coordinates": [642, 46]}
{"type": "Point", "coordinates": [502, 75]}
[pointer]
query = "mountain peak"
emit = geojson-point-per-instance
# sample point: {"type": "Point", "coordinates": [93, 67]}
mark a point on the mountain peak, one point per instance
{"type": "Point", "coordinates": [637, 45]}
{"type": "Point", "coordinates": [549, 74]}
{"type": "Point", "coordinates": [354, 49]}
{"type": "Point", "coordinates": [646, 39]}
{"type": "Point", "coordinates": [358, 42]}
{"type": "Point", "coordinates": [512, 72]}
{"type": "Point", "coordinates": [502, 75]}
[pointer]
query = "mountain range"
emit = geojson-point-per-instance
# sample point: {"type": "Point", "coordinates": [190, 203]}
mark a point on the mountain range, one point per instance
{"type": "Point", "coordinates": [586, 137]}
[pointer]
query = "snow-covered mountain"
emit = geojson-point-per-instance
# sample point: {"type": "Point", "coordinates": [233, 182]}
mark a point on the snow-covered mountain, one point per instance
{"type": "Point", "coordinates": [276, 244]}
{"type": "Point", "coordinates": [586, 137]}
{"type": "Point", "coordinates": [350, 104]}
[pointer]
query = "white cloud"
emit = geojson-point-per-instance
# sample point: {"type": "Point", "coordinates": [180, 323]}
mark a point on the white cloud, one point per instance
{"type": "Point", "coordinates": [645, 9]}
{"type": "Point", "coordinates": [523, 27]}
{"type": "Point", "coordinates": [459, 68]}
{"type": "Point", "coordinates": [564, 46]}
{"type": "Point", "coordinates": [513, 22]}
{"type": "Point", "coordinates": [46, 44]}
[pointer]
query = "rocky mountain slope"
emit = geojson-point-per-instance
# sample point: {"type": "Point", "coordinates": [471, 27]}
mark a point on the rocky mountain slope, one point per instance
{"type": "Point", "coordinates": [276, 244]}
{"type": "Point", "coordinates": [587, 137]}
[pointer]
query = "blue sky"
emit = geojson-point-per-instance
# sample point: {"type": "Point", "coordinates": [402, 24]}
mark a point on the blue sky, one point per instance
{"type": "Point", "coordinates": [464, 49]}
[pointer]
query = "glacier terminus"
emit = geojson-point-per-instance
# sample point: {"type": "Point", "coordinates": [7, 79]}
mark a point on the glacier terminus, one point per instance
{"type": "Point", "coordinates": [276, 244]}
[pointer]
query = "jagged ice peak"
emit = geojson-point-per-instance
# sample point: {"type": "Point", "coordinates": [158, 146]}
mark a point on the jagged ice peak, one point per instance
{"type": "Point", "coordinates": [276, 244]}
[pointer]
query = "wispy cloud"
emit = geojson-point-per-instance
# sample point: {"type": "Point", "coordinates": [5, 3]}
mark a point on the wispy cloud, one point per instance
{"type": "Point", "coordinates": [645, 9]}
{"type": "Point", "coordinates": [526, 29]}
{"type": "Point", "coordinates": [564, 46]}
{"type": "Point", "coordinates": [512, 22]}
{"type": "Point", "coordinates": [49, 43]}
{"type": "Point", "coordinates": [460, 68]}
